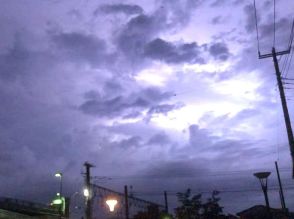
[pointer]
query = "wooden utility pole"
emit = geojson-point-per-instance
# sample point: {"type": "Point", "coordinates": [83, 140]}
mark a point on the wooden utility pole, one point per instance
{"type": "Point", "coordinates": [127, 202]}
{"type": "Point", "coordinates": [274, 55]}
{"type": "Point", "coordinates": [88, 187]}
{"type": "Point", "coordinates": [165, 202]}
{"type": "Point", "coordinates": [281, 189]}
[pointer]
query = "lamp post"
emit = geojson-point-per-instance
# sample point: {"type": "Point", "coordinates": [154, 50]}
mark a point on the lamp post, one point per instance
{"type": "Point", "coordinates": [262, 176]}
{"type": "Point", "coordinates": [59, 175]}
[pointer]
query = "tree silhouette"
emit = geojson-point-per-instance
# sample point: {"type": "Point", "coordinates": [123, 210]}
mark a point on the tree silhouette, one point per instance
{"type": "Point", "coordinates": [192, 207]}
{"type": "Point", "coordinates": [152, 212]}
{"type": "Point", "coordinates": [212, 209]}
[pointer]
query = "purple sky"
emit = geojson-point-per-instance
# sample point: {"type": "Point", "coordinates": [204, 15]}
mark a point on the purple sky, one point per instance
{"type": "Point", "coordinates": [168, 91]}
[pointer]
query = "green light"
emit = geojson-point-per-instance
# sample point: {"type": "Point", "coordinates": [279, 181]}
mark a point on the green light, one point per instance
{"type": "Point", "coordinates": [57, 201]}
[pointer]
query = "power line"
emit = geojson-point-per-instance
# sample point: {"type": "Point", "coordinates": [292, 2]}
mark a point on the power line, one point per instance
{"type": "Point", "coordinates": [284, 65]}
{"type": "Point", "coordinates": [274, 23]}
{"type": "Point", "coordinates": [174, 193]}
{"type": "Point", "coordinates": [291, 35]}
{"type": "Point", "coordinates": [290, 79]}
{"type": "Point", "coordinates": [256, 26]}
{"type": "Point", "coordinates": [192, 175]}
{"type": "Point", "coordinates": [290, 62]}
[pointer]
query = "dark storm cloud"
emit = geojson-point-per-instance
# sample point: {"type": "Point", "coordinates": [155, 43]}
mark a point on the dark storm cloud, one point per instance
{"type": "Point", "coordinates": [159, 49]}
{"type": "Point", "coordinates": [250, 18]}
{"type": "Point", "coordinates": [142, 29]}
{"type": "Point", "coordinates": [268, 4]}
{"type": "Point", "coordinates": [138, 31]}
{"type": "Point", "coordinates": [21, 62]}
{"type": "Point", "coordinates": [266, 27]}
{"type": "Point", "coordinates": [234, 149]}
{"type": "Point", "coordinates": [160, 138]}
{"type": "Point", "coordinates": [219, 51]}
{"type": "Point", "coordinates": [198, 136]}
{"type": "Point", "coordinates": [238, 2]}
{"type": "Point", "coordinates": [163, 108]}
{"type": "Point", "coordinates": [132, 114]}
{"type": "Point", "coordinates": [81, 47]}
{"type": "Point", "coordinates": [112, 86]}
{"type": "Point", "coordinates": [14, 63]}
{"type": "Point", "coordinates": [180, 11]}
{"type": "Point", "coordinates": [33, 138]}
{"type": "Point", "coordinates": [201, 141]}
{"type": "Point", "coordinates": [176, 169]}
{"type": "Point", "coordinates": [36, 134]}
{"type": "Point", "coordinates": [217, 20]}
{"type": "Point", "coordinates": [75, 14]}
{"type": "Point", "coordinates": [218, 3]}
{"type": "Point", "coordinates": [104, 108]}
{"type": "Point", "coordinates": [283, 26]}
{"type": "Point", "coordinates": [119, 8]}
{"type": "Point", "coordinates": [132, 142]}
{"type": "Point", "coordinates": [247, 113]}
{"type": "Point", "coordinates": [149, 98]}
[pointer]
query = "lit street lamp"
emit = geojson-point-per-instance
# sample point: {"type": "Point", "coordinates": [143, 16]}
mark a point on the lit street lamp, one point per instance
{"type": "Point", "coordinates": [262, 176]}
{"type": "Point", "coordinates": [59, 175]}
{"type": "Point", "coordinates": [86, 193]}
{"type": "Point", "coordinates": [111, 202]}
{"type": "Point", "coordinates": [61, 199]}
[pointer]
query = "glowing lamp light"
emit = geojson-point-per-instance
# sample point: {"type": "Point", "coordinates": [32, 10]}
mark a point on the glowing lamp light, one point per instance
{"type": "Point", "coordinates": [111, 204]}
{"type": "Point", "coordinates": [57, 201]}
{"type": "Point", "coordinates": [86, 192]}
{"type": "Point", "coordinates": [58, 174]}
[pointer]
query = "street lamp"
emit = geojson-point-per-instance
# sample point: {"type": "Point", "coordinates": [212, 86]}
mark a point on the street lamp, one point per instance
{"type": "Point", "coordinates": [60, 202]}
{"type": "Point", "coordinates": [86, 193]}
{"type": "Point", "coordinates": [111, 202]}
{"type": "Point", "coordinates": [262, 176]}
{"type": "Point", "coordinates": [59, 175]}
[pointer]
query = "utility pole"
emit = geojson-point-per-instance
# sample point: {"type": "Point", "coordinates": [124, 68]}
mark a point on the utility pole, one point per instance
{"type": "Point", "coordinates": [88, 187]}
{"type": "Point", "coordinates": [127, 202]}
{"type": "Point", "coordinates": [281, 189]}
{"type": "Point", "coordinates": [274, 55]}
{"type": "Point", "coordinates": [165, 202]}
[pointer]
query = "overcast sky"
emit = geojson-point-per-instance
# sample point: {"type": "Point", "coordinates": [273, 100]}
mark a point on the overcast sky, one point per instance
{"type": "Point", "coordinates": [170, 91]}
